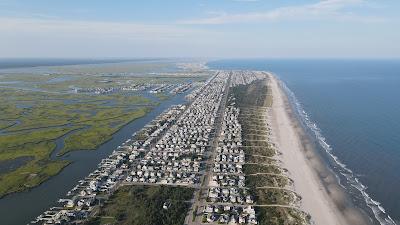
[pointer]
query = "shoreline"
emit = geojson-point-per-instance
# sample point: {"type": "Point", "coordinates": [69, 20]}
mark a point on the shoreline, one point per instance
{"type": "Point", "coordinates": [84, 162]}
{"type": "Point", "coordinates": [322, 196]}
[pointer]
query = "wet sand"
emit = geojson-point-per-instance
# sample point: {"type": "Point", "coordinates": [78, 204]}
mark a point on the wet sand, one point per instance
{"type": "Point", "coordinates": [322, 197]}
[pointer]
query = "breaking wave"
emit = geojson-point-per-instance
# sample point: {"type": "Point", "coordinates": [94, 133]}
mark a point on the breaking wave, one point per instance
{"type": "Point", "coordinates": [377, 209]}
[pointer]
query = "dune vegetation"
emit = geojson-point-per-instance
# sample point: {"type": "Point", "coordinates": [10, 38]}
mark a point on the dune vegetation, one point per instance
{"type": "Point", "coordinates": [265, 178]}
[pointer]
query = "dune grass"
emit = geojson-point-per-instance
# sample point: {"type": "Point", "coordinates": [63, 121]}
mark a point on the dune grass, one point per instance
{"type": "Point", "coordinates": [268, 188]}
{"type": "Point", "coordinates": [281, 216]}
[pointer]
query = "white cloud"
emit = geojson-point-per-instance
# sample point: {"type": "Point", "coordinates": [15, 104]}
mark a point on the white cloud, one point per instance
{"type": "Point", "coordinates": [54, 37]}
{"type": "Point", "coordinates": [66, 38]}
{"type": "Point", "coordinates": [95, 29]}
{"type": "Point", "coordinates": [326, 9]}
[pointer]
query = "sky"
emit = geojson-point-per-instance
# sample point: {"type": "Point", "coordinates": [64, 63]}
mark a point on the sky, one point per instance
{"type": "Point", "coordinates": [200, 28]}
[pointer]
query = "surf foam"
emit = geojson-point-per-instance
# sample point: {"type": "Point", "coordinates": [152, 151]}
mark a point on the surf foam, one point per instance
{"type": "Point", "coordinates": [376, 207]}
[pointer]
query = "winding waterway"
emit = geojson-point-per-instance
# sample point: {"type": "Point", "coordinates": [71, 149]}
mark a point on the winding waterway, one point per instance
{"type": "Point", "coordinates": [21, 208]}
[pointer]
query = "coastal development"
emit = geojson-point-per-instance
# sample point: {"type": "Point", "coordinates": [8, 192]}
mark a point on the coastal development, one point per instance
{"type": "Point", "coordinates": [38, 140]}
{"type": "Point", "coordinates": [199, 112]}
{"type": "Point", "coordinates": [216, 150]}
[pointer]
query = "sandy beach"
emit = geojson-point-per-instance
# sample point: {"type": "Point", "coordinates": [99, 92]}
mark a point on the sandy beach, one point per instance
{"type": "Point", "coordinates": [322, 197]}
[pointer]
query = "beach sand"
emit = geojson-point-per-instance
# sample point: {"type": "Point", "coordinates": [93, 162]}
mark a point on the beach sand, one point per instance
{"type": "Point", "coordinates": [322, 197]}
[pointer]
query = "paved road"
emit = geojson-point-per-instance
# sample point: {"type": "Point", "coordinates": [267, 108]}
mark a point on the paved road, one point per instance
{"type": "Point", "coordinates": [159, 184]}
{"type": "Point", "coordinates": [198, 199]}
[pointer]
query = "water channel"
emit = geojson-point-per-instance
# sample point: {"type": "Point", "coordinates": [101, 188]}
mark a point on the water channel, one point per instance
{"type": "Point", "coordinates": [21, 208]}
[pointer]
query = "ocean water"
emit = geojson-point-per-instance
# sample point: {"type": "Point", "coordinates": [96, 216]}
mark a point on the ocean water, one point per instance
{"type": "Point", "coordinates": [352, 110]}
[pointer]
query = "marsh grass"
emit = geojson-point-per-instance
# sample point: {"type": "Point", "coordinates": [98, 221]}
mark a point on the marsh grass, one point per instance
{"type": "Point", "coordinates": [33, 121]}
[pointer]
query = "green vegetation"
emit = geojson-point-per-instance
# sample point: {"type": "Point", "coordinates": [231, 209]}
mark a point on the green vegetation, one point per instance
{"type": "Point", "coordinates": [34, 172]}
{"type": "Point", "coordinates": [114, 68]}
{"type": "Point", "coordinates": [102, 126]}
{"type": "Point", "coordinates": [47, 119]}
{"type": "Point", "coordinates": [255, 94]}
{"type": "Point", "coordinates": [15, 144]}
{"type": "Point", "coordinates": [258, 168]}
{"type": "Point", "coordinates": [162, 96]}
{"type": "Point", "coordinates": [281, 216]}
{"type": "Point", "coordinates": [275, 196]}
{"type": "Point", "coordinates": [39, 106]}
{"type": "Point", "coordinates": [254, 181]}
{"type": "Point", "coordinates": [143, 205]}
{"type": "Point", "coordinates": [266, 180]}
{"type": "Point", "coordinates": [260, 160]}
{"type": "Point", "coordinates": [5, 124]}
{"type": "Point", "coordinates": [260, 150]}
{"type": "Point", "coordinates": [32, 121]}
{"type": "Point", "coordinates": [194, 213]}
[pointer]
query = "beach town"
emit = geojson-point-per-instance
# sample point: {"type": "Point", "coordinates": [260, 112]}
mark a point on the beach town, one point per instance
{"type": "Point", "coordinates": [197, 145]}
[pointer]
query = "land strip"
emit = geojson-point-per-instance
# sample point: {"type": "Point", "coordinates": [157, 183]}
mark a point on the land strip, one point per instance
{"type": "Point", "coordinates": [169, 152]}
{"type": "Point", "coordinates": [217, 146]}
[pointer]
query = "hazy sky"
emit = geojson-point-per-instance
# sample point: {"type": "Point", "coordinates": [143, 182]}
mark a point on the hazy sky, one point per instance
{"type": "Point", "coordinates": [200, 28]}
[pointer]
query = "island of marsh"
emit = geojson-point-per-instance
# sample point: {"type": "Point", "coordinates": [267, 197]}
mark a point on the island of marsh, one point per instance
{"type": "Point", "coordinates": [40, 109]}
{"type": "Point", "coordinates": [85, 122]}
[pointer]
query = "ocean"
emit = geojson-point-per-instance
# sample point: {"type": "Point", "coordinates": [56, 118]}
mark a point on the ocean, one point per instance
{"type": "Point", "coordinates": [351, 109]}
